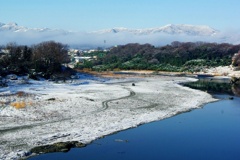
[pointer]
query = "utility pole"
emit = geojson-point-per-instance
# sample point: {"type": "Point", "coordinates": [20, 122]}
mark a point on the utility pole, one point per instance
{"type": "Point", "coordinates": [104, 44]}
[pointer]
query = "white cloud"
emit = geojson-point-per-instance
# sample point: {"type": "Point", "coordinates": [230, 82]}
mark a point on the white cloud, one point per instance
{"type": "Point", "coordinates": [83, 39]}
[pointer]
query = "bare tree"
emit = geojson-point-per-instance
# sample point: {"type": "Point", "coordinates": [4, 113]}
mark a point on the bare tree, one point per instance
{"type": "Point", "coordinates": [48, 57]}
{"type": "Point", "coordinates": [17, 59]}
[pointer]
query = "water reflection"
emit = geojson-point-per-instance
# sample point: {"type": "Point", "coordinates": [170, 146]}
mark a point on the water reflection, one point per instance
{"type": "Point", "coordinates": [211, 86]}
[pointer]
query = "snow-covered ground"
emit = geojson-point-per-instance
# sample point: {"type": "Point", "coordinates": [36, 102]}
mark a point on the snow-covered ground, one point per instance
{"type": "Point", "coordinates": [223, 71]}
{"type": "Point", "coordinates": [86, 109]}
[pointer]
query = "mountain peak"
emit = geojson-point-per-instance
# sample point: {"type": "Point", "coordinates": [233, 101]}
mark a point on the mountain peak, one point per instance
{"type": "Point", "coordinates": [13, 27]}
{"type": "Point", "coordinates": [188, 29]}
{"type": "Point", "coordinates": [172, 29]}
{"type": "Point", "coordinates": [12, 24]}
{"type": "Point", "coordinates": [1, 24]}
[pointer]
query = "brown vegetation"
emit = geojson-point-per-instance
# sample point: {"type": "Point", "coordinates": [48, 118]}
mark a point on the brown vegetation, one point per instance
{"type": "Point", "coordinates": [19, 105]}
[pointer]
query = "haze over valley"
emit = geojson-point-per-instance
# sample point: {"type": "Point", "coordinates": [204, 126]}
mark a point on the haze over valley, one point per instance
{"type": "Point", "coordinates": [12, 32]}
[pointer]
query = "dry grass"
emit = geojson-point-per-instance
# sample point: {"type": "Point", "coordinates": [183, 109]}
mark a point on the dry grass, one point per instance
{"type": "Point", "coordinates": [18, 100]}
{"type": "Point", "coordinates": [19, 105]}
{"type": "Point", "coordinates": [129, 73]}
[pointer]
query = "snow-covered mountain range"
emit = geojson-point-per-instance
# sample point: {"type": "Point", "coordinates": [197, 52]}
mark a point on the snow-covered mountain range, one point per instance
{"type": "Point", "coordinates": [11, 32]}
{"type": "Point", "coordinates": [168, 29]}
{"type": "Point", "coordinates": [15, 28]}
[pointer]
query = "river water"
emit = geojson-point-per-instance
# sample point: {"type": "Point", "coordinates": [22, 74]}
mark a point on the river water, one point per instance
{"type": "Point", "coordinates": [212, 132]}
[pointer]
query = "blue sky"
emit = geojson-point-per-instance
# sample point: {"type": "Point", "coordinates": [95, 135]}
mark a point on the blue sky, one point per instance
{"type": "Point", "coordinates": [90, 15]}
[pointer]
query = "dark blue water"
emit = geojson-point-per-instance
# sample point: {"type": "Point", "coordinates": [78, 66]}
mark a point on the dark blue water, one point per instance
{"type": "Point", "coordinates": [211, 133]}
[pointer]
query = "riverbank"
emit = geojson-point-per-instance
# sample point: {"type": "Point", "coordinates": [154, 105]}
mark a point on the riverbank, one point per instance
{"type": "Point", "coordinates": [42, 113]}
{"type": "Point", "coordinates": [211, 132]}
{"type": "Point", "coordinates": [221, 72]}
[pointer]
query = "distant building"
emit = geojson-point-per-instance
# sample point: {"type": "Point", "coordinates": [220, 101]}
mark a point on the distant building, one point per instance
{"type": "Point", "coordinates": [4, 51]}
{"type": "Point", "coordinates": [92, 50]}
{"type": "Point", "coordinates": [74, 52]}
{"type": "Point", "coordinates": [82, 59]}
{"type": "Point", "coordinates": [95, 57]}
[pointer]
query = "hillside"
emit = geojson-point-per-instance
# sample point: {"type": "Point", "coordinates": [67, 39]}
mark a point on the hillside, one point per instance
{"type": "Point", "coordinates": [190, 57]}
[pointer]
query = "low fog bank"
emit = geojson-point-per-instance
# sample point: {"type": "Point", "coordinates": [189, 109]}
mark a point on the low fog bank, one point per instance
{"type": "Point", "coordinates": [94, 40]}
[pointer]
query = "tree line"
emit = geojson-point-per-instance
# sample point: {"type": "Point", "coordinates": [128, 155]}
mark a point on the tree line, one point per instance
{"type": "Point", "coordinates": [177, 56]}
{"type": "Point", "coordinates": [43, 59]}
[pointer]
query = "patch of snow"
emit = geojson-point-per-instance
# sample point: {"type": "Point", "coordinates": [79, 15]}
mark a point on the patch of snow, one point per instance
{"type": "Point", "coordinates": [223, 71]}
{"type": "Point", "coordinates": [73, 112]}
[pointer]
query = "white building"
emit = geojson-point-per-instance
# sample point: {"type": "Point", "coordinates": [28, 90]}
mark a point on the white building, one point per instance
{"type": "Point", "coordinates": [82, 59]}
